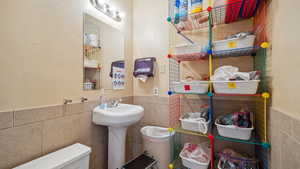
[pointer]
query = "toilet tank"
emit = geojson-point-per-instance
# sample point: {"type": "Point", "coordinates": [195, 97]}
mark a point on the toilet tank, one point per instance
{"type": "Point", "coordinates": [73, 157]}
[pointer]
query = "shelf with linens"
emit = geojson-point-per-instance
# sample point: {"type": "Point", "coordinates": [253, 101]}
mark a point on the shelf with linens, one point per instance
{"type": "Point", "coordinates": [236, 45]}
{"type": "Point", "coordinates": [218, 11]}
{"type": "Point", "coordinates": [216, 15]}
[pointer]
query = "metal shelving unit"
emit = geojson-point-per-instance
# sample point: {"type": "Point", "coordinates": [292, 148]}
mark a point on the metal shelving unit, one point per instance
{"type": "Point", "coordinates": [217, 15]}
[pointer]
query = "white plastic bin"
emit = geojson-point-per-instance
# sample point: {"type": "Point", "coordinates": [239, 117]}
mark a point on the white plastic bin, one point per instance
{"type": "Point", "coordinates": [188, 52]}
{"type": "Point", "coordinates": [236, 87]}
{"type": "Point", "coordinates": [234, 43]}
{"type": "Point", "coordinates": [190, 159]}
{"type": "Point", "coordinates": [194, 123]}
{"type": "Point", "coordinates": [186, 49]}
{"type": "Point", "coordinates": [236, 132]}
{"type": "Point", "coordinates": [157, 144]}
{"type": "Point", "coordinates": [238, 161]}
{"type": "Point", "coordinates": [200, 87]}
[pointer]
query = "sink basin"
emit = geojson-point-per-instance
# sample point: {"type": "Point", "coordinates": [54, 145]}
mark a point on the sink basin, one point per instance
{"type": "Point", "coordinates": [121, 116]}
{"type": "Point", "coordinates": [117, 119]}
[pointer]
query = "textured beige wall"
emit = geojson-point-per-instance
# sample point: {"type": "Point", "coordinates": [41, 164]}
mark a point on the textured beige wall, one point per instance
{"type": "Point", "coordinates": [285, 58]}
{"type": "Point", "coordinates": [284, 71]}
{"type": "Point", "coordinates": [41, 52]}
{"type": "Point", "coordinates": [151, 39]}
{"type": "Point", "coordinates": [285, 140]}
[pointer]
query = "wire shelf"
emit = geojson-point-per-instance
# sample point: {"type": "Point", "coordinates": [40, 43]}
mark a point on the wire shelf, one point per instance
{"type": "Point", "coordinates": [216, 94]}
{"type": "Point", "coordinates": [174, 72]}
{"type": "Point", "coordinates": [194, 22]}
{"type": "Point", "coordinates": [187, 93]}
{"type": "Point", "coordinates": [254, 95]}
{"type": "Point", "coordinates": [180, 130]}
{"type": "Point", "coordinates": [223, 12]}
{"type": "Point", "coordinates": [253, 140]}
{"type": "Point", "coordinates": [249, 51]}
{"type": "Point", "coordinates": [174, 110]}
{"type": "Point", "coordinates": [190, 57]}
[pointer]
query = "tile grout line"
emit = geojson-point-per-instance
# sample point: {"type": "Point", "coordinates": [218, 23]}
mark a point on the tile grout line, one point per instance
{"type": "Point", "coordinates": [14, 116]}
{"type": "Point", "coordinates": [293, 132]}
{"type": "Point", "coordinates": [42, 138]}
{"type": "Point", "coordinates": [38, 121]}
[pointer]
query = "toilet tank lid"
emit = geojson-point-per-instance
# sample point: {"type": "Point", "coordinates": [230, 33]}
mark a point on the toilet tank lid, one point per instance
{"type": "Point", "coordinates": [58, 159]}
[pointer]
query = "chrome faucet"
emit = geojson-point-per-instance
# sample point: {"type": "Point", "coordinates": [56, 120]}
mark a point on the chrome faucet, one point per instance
{"type": "Point", "coordinates": [115, 103]}
{"type": "Point", "coordinates": [68, 101]}
{"type": "Point", "coordinates": [109, 103]}
{"type": "Point", "coordinates": [83, 99]}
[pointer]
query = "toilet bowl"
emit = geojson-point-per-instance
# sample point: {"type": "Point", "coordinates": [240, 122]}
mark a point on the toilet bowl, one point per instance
{"type": "Point", "coordinates": [76, 156]}
{"type": "Point", "coordinates": [156, 142]}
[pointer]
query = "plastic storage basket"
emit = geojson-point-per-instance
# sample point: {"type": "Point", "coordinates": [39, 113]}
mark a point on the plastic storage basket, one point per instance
{"type": "Point", "coordinates": [234, 43]}
{"type": "Point", "coordinates": [188, 52]}
{"type": "Point", "coordinates": [239, 162]}
{"type": "Point", "coordinates": [200, 151]}
{"type": "Point", "coordinates": [197, 125]}
{"type": "Point", "coordinates": [236, 132]}
{"type": "Point", "coordinates": [199, 87]}
{"type": "Point", "coordinates": [236, 87]}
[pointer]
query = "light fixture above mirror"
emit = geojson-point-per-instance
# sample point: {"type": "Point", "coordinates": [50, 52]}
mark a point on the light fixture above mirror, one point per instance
{"type": "Point", "coordinates": [106, 9]}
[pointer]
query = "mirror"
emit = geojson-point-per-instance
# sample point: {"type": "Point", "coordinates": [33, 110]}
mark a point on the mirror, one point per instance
{"type": "Point", "coordinates": [103, 58]}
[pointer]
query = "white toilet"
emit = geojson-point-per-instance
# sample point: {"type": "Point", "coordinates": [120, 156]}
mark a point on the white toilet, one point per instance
{"type": "Point", "coordinates": [76, 156]}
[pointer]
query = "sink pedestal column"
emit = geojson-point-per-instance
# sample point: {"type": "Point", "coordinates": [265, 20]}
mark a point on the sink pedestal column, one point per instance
{"type": "Point", "coordinates": [116, 147]}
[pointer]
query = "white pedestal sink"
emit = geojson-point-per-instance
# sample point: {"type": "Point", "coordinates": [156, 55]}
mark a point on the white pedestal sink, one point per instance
{"type": "Point", "coordinates": [117, 119]}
